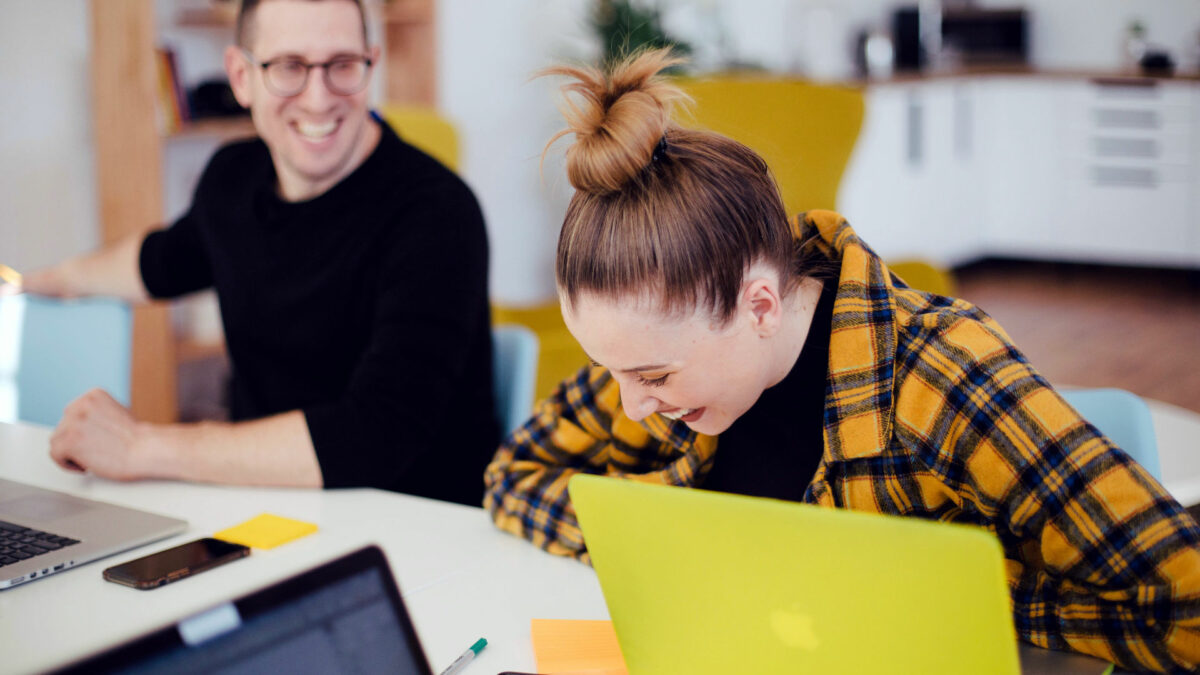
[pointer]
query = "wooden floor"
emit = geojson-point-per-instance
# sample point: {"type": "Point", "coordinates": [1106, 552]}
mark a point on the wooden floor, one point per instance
{"type": "Point", "coordinates": [1098, 326]}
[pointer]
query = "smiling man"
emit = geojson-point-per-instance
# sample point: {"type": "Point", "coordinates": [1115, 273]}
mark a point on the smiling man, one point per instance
{"type": "Point", "coordinates": [351, 271]}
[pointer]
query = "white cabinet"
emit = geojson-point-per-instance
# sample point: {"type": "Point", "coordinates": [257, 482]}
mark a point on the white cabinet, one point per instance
{"type": "Point", "coordinates": [1021, 167]}
{"type": "Point", "coordinates": [951, 193]}
{"type": "Point", "coordinates": [1029, 166]}
{"type": "Point", "coordinates": [1129, 167]}
{"type": "Point", "coordinates": [878, 190]}
{"type": "Point", "coordinates": [908, 189]}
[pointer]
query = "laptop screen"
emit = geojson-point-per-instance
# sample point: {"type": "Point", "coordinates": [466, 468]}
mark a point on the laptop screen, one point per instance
{"type": "Point", "coordinates": [343, 617]}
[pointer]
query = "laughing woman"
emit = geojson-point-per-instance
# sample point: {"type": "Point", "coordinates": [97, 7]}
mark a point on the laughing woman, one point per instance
{"type": "Point", "coordinates": [737, 351]}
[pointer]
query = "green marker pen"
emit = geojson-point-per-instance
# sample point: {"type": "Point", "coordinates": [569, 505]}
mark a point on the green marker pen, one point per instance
{"type": "Point", "coordinates": [467, 656]}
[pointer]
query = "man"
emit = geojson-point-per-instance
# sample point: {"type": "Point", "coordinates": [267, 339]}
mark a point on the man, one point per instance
{"type": "Point", "coordinates": [351, 271]}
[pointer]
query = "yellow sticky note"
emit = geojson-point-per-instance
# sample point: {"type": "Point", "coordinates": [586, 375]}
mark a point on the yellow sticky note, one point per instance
{"type": "Point", "coordinates": [266, 531]}
{"type": "Point", "coordinates": [576, 646]}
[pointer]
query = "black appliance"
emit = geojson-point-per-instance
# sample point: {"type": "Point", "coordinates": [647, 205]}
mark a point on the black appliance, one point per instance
{"type": "Point", "coordinates": [906, 38]}
{"type": "Point", "coordinates": [986, 36]}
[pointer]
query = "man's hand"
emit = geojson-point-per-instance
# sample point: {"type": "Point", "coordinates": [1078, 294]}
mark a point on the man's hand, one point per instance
{"type": "Point", "coordinates": [99, 435]}
{"type": "Point", "coordinates": [49, 281]}
{"type": "Point", "coordinates": [10, 280]}
{"type": "Point", "coordinates": [111, 271]}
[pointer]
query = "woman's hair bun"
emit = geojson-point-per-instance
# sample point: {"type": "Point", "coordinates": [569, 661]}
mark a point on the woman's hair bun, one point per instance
{"type": "Point", "coordinates": [618, 118]}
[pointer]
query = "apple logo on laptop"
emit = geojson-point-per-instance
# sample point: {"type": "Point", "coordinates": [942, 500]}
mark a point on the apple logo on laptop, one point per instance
{"type": "Point", "coordinates": [795, 629]}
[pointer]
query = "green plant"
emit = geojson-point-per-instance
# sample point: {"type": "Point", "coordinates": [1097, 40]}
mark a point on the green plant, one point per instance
{"type": "Point", "coordinates": [625, 27]}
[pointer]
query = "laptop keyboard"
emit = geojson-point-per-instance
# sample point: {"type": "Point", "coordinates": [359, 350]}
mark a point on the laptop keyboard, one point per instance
{"type": "Point", "coordinates": [21, 543]}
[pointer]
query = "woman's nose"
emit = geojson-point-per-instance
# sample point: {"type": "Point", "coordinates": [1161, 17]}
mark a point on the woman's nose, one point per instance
{"type": "Point", "coordinates": [637, 404]}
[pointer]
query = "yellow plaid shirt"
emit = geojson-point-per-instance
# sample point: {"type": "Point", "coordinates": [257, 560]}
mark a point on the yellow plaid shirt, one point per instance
{"type": "Point", "coordinates": [930, 411]}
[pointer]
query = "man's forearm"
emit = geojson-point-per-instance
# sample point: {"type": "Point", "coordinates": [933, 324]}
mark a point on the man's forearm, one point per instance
{"type": "Point", "coordinates": [271, 451]}
{"type": "Point", "coordinates": [112, 271]}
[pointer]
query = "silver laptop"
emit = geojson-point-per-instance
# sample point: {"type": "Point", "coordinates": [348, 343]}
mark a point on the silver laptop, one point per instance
{"type": "Point", "coordinates": [43, 532]}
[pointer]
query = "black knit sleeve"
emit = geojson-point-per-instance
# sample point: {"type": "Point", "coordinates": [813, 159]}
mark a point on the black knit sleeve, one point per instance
{"type": "Point", "coordinates": [173, 261]}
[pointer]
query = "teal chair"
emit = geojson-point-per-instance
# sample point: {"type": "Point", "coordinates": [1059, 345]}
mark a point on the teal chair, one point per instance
{"type": "Point", "coordinates": [1123, 417]}
{"type": "Point", "coordinates": [52, 351]}
{"type": "Point", "coordinates": [514, 373]}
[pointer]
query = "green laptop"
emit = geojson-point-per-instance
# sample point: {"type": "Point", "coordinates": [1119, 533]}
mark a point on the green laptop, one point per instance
{"type": "Point", "coordinates": [705, 582]}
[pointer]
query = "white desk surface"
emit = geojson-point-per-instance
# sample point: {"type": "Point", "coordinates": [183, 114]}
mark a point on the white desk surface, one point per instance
{"type": "Point", "coordinates": [461, 578]}
{"type": "Point", "coordinates": [1177, 431]}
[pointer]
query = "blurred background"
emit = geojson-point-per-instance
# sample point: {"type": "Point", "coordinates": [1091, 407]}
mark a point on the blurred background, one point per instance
{"type": "Point", "coordinates": [1038, 158]}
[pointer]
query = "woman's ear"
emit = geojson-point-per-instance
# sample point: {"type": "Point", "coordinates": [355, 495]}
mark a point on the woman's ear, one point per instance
{"type": "Point", "coordinates": [761, 304]}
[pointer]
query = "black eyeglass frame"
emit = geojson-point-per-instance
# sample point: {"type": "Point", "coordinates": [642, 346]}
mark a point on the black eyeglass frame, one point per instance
{"type": "Point", "coordinates": [308, 67]}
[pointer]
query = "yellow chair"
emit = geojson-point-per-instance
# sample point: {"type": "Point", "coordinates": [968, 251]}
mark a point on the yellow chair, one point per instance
{"type": "Point", "coordinates": [425, 129]}
{"type": "Point", "coordinates": [804, 131]}
{"type": "Point", "coordinates": [924, 276]}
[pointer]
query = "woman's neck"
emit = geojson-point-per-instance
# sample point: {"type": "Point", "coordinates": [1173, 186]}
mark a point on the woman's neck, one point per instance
{"type": "Point", "coordinates": [799, 309]}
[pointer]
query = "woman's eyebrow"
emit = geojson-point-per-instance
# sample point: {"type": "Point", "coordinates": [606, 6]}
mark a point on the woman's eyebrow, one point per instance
{"type": "Point", "coordinates": [638, 369]}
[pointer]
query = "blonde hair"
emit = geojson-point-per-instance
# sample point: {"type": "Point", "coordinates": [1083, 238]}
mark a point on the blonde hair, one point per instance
{"type": "Point", "coordinates": [678, 211]}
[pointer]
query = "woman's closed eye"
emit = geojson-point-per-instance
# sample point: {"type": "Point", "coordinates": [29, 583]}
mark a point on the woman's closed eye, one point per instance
{"type": "Point", "coordinates": [655, 382]}
{"type": "Point", "coordinates": [645, 381]}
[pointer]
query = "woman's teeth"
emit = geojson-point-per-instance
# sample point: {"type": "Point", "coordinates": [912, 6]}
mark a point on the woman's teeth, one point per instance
{"type": "Point", "coordinates": [676, 414]}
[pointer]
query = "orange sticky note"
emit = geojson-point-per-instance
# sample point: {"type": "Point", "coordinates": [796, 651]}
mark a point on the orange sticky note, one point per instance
{"type": "Point", "coordinates": [266, 531]}
{"type": "Point", "coordinates": [565, 646]}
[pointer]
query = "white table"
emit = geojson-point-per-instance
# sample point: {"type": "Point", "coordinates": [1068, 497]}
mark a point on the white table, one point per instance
{"type": "Point", "coordinates": [460, 577]}
{"type": "Point", "coordinates": [455, 570]}
{"type": "Point", "coordinates": [1178, 433]}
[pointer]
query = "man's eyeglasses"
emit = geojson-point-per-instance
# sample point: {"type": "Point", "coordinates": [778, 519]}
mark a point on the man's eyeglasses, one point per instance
{"type": "Point", "coordinates": [288, 76]}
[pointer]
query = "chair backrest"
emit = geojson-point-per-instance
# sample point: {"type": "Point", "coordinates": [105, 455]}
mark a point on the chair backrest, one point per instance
{"type": "Point", "coordinates": [924, 276]}
{"type": "Point", "coordinates": [52, 351]}
{"type": "Point", "coordinates": [425, 129]}
{"type": "Point", "coordinates": [514, 373]}
{"type": "Point", "coordinates": [805, 131]}
{"type": "Point", "coordinates": [1124, 418]}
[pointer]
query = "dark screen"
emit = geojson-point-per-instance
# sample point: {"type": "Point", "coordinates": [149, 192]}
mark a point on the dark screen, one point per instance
{"type": "Point", "coordinates": [346, 627]}
{"type": "Point", "coordinates": [345, 616]}
{"type": "Point", "coordinates": [189, 555]}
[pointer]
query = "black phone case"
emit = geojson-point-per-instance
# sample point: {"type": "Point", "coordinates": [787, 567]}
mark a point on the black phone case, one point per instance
{"type": "Point", "coordinates": [174, 575]}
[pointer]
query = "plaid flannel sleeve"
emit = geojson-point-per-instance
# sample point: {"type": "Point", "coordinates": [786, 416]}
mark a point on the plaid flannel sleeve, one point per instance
{"type": "Point", "coordinates": [1101, 559]}
{"type": "Point", "coordinates": [581, 428]}
{"type": "Point", "coordinates": [526, 482]}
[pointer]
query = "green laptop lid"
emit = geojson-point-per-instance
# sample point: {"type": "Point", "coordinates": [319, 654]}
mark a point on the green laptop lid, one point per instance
{"type": "Point", "coordinates": [705, 582]}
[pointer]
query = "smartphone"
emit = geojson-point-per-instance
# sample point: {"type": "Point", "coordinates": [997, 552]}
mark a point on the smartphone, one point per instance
{"type": "Point", "coordinates": [175, 563]}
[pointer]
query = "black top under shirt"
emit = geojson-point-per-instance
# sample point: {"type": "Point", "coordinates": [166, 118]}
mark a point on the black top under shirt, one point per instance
{"type": "Point", "coordinates": [365, 307]}
{"type": "Point", "coordinates": [774, 448]}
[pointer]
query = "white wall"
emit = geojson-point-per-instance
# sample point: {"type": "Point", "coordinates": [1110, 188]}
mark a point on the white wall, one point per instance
{"type": "Point", "coordinates": [800, 35]}
{"type": "Point", "coordinates": [811, 36]}
{"type": "Point", "coordinates": [487, 53]}
{"type": "Point", "coordinates": [47, 174]}
{"type": "Point", "coordinates": [1088, 34]}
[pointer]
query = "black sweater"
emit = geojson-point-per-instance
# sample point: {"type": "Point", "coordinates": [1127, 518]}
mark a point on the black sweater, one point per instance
{"type": "Point", "coordinates": [774, 448]}
{"type": "Point", "coordinates": [365, 307]}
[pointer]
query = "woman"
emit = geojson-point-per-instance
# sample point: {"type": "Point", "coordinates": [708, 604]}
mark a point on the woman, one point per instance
{"type": "Point", "coordinates": [733, 350]}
